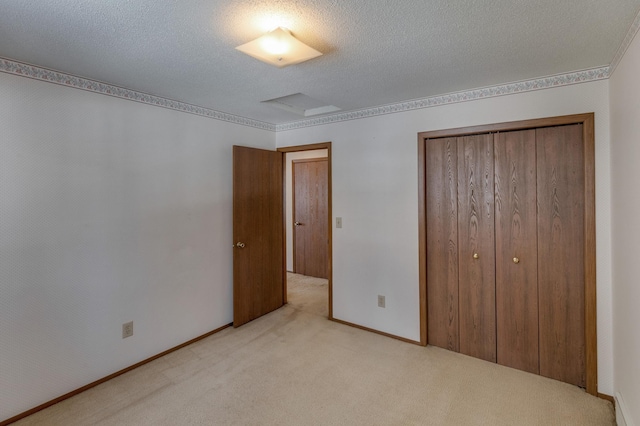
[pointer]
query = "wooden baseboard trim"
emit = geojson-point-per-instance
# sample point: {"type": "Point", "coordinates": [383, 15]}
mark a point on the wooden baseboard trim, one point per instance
{"type": "Point", "coordinates": [109, 377]}
{"type": "Point", "coordinates": [607, 398]}
{"type": "Point", "coordinates": [371, 330]}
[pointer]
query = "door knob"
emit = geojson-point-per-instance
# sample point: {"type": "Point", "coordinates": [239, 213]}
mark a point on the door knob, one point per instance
{"type": "Point", "coordinates": [516, 260]}
{"type": "Point", "coordinates": [240, 245]}
{"type": "Point", "coordinates": [297, 224]}
{"type": "Point", "coordinates": [476, 256]}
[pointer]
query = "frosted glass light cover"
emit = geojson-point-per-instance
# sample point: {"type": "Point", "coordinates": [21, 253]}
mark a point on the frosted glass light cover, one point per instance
{"type": "Point", "coordinates": [279, 48]}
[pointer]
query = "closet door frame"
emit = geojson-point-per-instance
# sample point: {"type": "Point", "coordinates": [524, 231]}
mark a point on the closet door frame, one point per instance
{"type": "Point", "coordinates": [588, 138]}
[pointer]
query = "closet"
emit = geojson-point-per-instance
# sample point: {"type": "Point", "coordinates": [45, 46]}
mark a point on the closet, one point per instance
{"type": "Point", "coordinates": [507, 214]}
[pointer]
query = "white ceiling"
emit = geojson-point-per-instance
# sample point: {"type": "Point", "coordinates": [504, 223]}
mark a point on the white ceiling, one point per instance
{"type": "Point", "coordinates": [376, 52]}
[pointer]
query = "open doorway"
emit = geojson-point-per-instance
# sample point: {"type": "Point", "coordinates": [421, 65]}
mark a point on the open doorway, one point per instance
{"type": "Point", "coordinates": [308, 227]}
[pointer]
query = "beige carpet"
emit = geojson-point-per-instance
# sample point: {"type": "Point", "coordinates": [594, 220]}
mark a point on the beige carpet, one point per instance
{"type": "Point", "coordinates": [294, 367]}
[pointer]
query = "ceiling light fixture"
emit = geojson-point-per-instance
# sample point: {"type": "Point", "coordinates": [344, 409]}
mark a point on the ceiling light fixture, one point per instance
{"type": "Point", "coordinates": [279, 48]}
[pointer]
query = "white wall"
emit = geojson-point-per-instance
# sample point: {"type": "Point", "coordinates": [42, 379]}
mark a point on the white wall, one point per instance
{"type": "Point", "coordinates": [375, 191]}
{"type": "Point", "coordinates": [625, 161]}
{"type": "Point", "coordinates": [110, 211]}
{"type": "Point", "coordinates": [289, 157]}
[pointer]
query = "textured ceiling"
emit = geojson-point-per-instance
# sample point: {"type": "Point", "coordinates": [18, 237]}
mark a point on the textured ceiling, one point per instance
{"type": "Point", "coordinates": [376, 52]}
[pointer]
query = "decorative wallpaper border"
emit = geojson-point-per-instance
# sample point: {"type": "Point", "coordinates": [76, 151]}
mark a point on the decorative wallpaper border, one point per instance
{"type": "Point", "coordinates": [452, 98]}
{"type": "Point", "coordinates": [633, 30]}
{"type": "Point", "coordinates": [43, 74]}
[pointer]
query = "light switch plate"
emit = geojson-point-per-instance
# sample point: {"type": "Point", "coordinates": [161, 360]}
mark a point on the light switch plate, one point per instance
{"type": "Point", "coordinates": [127, 329]}
{"type": "Point", "coordinates": [338, 222]}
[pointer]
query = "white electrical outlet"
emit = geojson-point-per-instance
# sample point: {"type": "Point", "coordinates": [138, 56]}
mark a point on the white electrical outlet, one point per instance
{"type": "Point", "coordinates": [127, 329]}
{"type": "Point", "coordinates": [381, 301]}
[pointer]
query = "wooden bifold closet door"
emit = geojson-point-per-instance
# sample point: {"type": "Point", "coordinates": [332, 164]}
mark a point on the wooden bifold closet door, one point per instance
{"type": "Point", "coordinates": [516, 250]}
{"type": "Point", "coordinates": [476, 239]}
{"type": "Point", "coordinates": [561, 242]}
{"type": "Point", "coordinates": [505, 248]}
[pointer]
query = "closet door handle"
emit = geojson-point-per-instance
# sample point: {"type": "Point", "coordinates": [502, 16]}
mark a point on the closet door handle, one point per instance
{"type": "Point", "coordinates": [516, 260]}
{"type": "Point", "coordinates": [476, 256]}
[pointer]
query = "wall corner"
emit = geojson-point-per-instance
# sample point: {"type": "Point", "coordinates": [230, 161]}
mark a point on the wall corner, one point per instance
{"type": "Point", "coordinates": [623, 417]}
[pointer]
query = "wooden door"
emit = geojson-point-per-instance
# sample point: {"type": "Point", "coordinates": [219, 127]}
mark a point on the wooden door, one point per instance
{"type": "Point", "coordinates": [258, 230]}
{"type": "Point", "coordinates": [442, 245]}
{"type": "Point", "coordinates": [476, 247]}
{"type": "Point", "coordinates": [310, 213]}
{"type": "Point", "coordinates": [516, 250]}
{"type": "Point", "coordinates": [561, 242]}
{"type": "Point", "coordinates": [544, 245]}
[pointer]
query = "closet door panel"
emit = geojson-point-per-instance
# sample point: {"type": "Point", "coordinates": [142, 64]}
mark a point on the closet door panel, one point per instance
{"type": "Point", "coordinates": [476, 253]}
{"type": "Point", "coordinates": [516, 250]}
{"type": "Point", "coordinates": [442, 243]}
{"type": "Point", "coordinates": [560, 161]}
